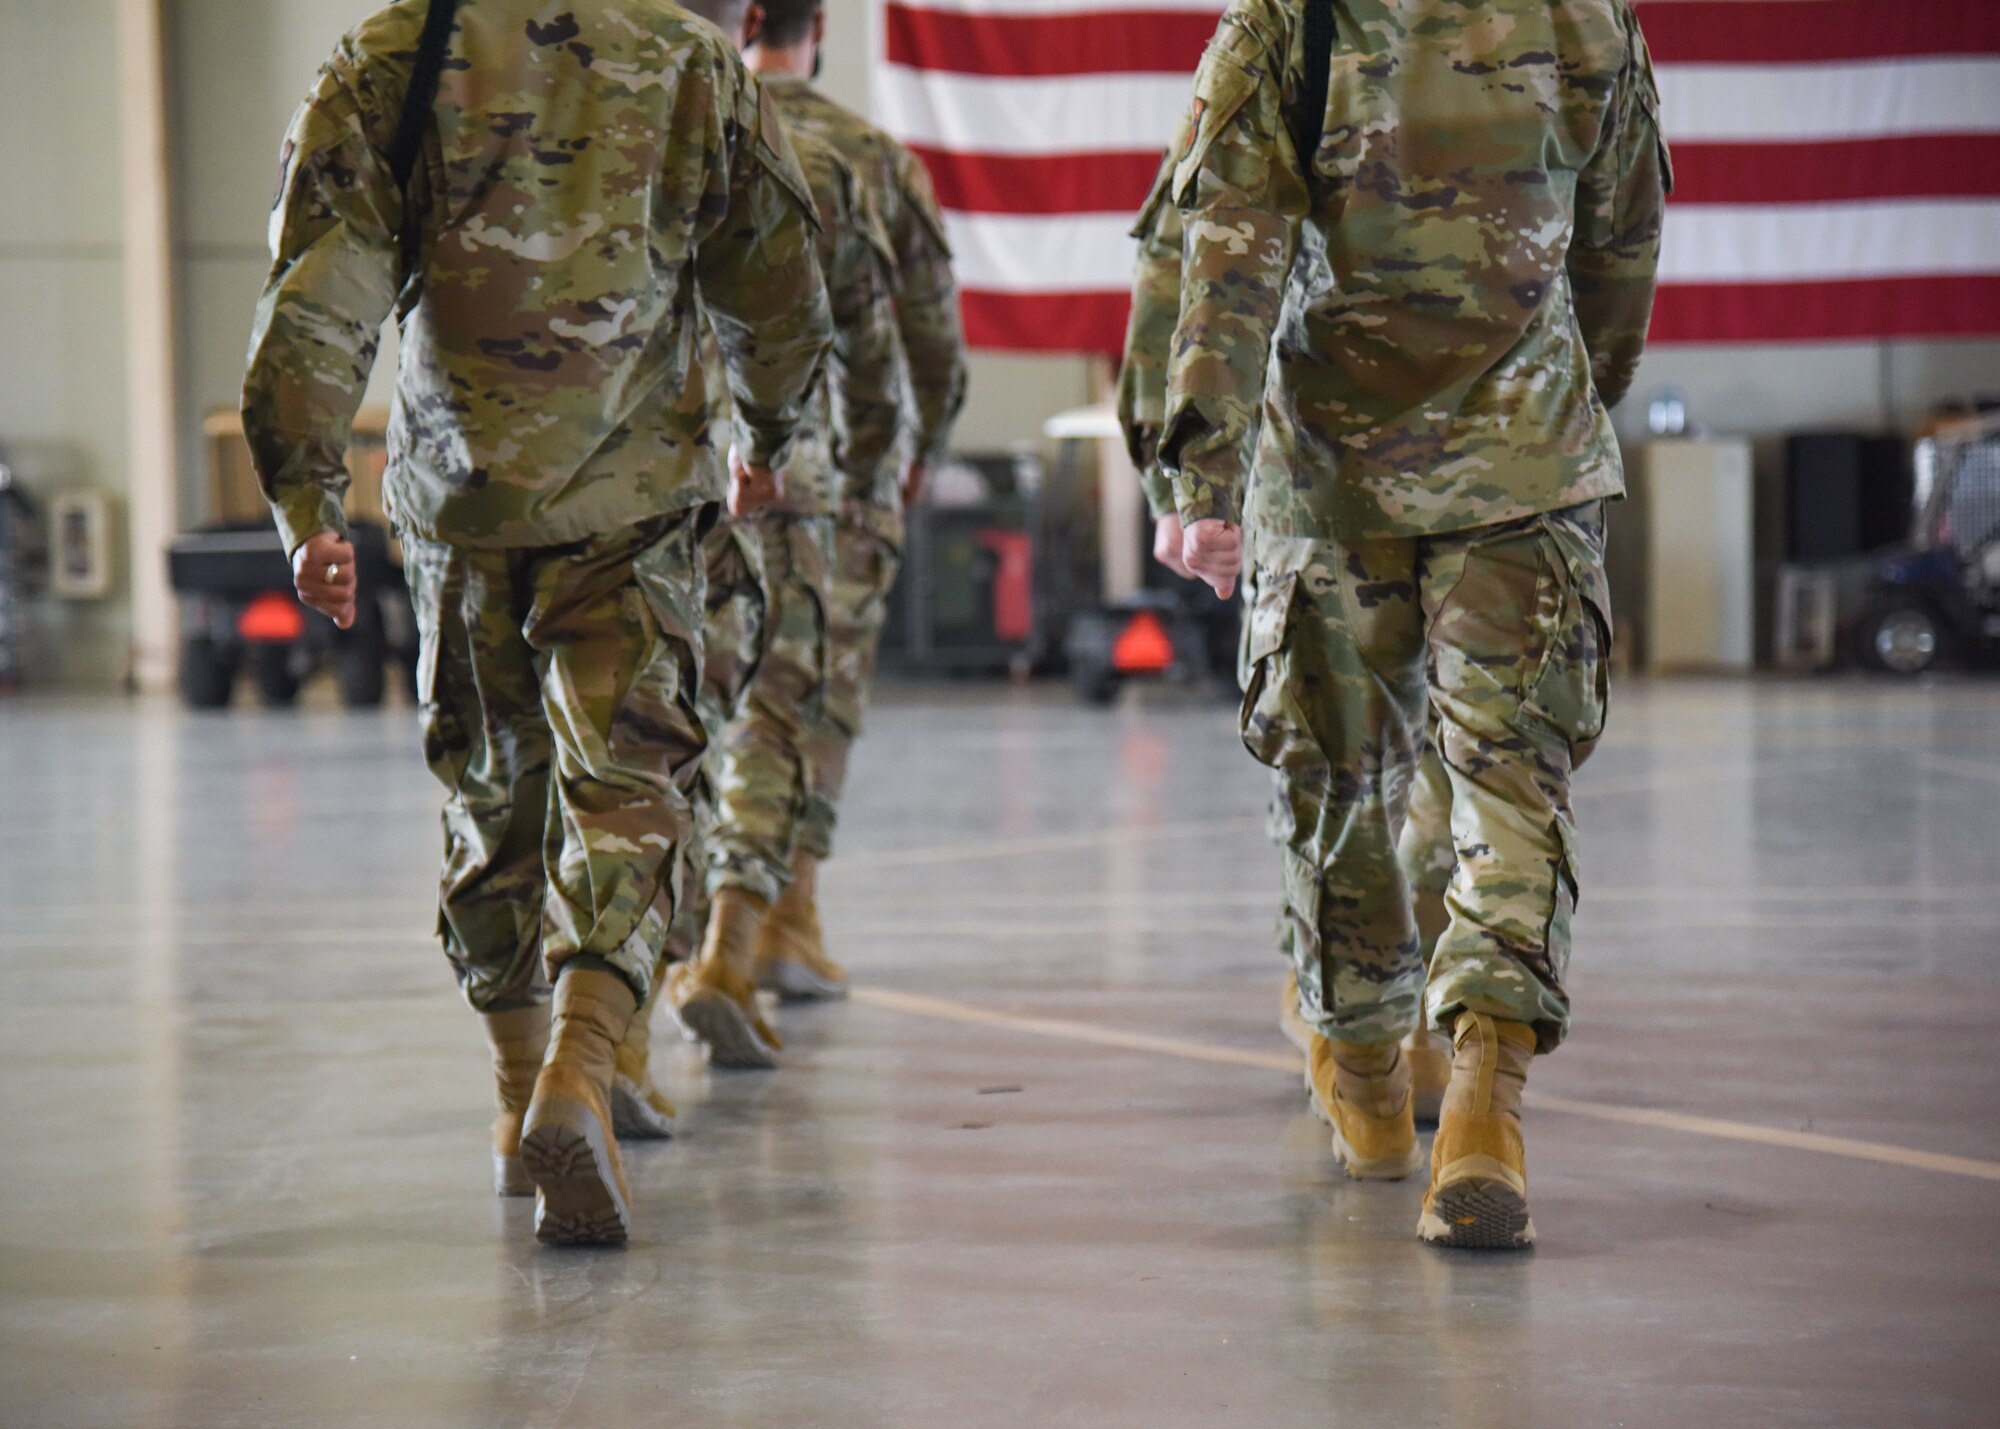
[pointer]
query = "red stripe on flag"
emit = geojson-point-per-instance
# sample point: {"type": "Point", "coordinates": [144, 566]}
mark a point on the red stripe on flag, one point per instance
{"type": "Point", "coordinates": [1846, 171]}
{"type": "Point", "coordinates": [1129, 42]}
{"type": "Point", "coordinates": [1040, 183]}
{"type": "Point", "coordinates": [1868, 309]}
{"type": "Point", "coordinates": [1872, 308]}
{"type": "Point", "coordinates": [1045, 322]}
{"type": "Point", "coordinates": [1756, 32]}
{"type": "Point", "coordinates": [1927, 166]}
{"type": "Point", "coordinates": [1714, 32]}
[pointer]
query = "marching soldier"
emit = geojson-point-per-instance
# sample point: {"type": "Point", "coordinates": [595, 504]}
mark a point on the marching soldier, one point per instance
{"type": "Point", "coordinates": [542, 204]}
{"type": "Point", "coordinates": [1436, 230]}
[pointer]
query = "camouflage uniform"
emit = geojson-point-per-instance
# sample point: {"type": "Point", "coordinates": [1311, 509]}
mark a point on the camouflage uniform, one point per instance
{"type": "Point", "coordinates": [733, 642]}
{"type": "Point", "coordinates": [868, 540]}
{"type": "Point", "coordinates": [768, 781]}
{"type": "Point", "coordinates": [1149, 333]}
{"type": "Point", "coordinates": [588, 177]}
{"type": "Point", "coordinates": [1445, 303]}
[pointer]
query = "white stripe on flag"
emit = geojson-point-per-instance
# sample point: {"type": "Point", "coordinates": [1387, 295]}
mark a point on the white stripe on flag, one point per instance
{"type": "Point", "coordinates": [1098, 113]}
{"type": "Point", "coordinates": [1824, 102]}
{"type": "Point", "coordinates": [1085, 253]}
{"type": "Point", "coordinates": [1063, 253]}
{"type": "Point", "coordinates": [1826, 242]}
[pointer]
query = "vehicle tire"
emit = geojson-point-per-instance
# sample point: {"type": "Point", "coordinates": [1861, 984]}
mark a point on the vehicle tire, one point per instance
{"type": "Point", "coordinates": [1095, 683]}
{"type": "Point", "coordinates": [360, 662]}
{"type": "Point", "coordinates": [1902, 637]}
{"type": "Point", "coordinates": [208, 674]}
{"type": "Point", "coordinates": [277, 682]}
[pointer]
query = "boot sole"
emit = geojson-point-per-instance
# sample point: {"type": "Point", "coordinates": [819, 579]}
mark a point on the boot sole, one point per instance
{"type": "Point", "coordinates": [633, 1117]}
{"type": "Point", "coordinates": [1357, 1168]}
{"type": "Point", "coordinates": [794, 982]}
{"type": "Point", "coordinates": [568, 1152]}
{"type": "Point", "coordinates": [1477, 1213]}
{"type": "Point", "coordinates": [715, 1020]}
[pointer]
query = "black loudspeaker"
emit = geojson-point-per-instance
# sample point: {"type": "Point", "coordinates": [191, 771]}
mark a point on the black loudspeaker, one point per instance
{"type": "Point", "coordinates": [1845, 493]}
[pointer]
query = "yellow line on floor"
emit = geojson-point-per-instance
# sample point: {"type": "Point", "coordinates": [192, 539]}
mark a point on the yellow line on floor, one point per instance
{"type": "Point", "coordinates": [944, 1010]}
{"type": "Point", "coordinates": [938, 1009]}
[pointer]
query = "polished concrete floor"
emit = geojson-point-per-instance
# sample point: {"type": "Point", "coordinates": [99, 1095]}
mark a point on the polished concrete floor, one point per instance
{"type": "Point", "coordinates": [1054, 1168]}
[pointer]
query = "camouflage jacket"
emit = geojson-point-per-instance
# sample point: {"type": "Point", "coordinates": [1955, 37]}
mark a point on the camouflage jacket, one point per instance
{"type": "Point", "coordinates": [926, 296]}
{"type": "Point", "coordinates": [587, 179]}
{"type": "Point", "coordinates": [843, 448]}
{"type": "Point", "coordinates": [1149, 333]}
{"type": "Point", "coordinates": [1457, 284]}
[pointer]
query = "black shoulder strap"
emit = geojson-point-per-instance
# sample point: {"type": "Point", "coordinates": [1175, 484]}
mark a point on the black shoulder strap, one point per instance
{"type": "Point", "coordinates": [1320, 33]}
{"type": "Point", "coordinates": [418, 104]}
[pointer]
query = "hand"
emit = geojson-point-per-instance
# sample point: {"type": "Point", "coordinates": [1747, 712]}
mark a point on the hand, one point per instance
{"type": "Point", "coordinates": [752, 488]}
{"type": "Point", "coordinates": [914, 476]}
{"type": "Point", "coordinates": [323, 571]}
{"type": "Point", "coordinates": [1167, 545]}
{"type": "Point", "coordinates": [1213, 550]}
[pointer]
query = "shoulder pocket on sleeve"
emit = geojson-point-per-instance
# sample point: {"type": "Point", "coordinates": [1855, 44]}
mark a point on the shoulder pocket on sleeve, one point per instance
{"type": "Point", "coordinates": [1221, 87]}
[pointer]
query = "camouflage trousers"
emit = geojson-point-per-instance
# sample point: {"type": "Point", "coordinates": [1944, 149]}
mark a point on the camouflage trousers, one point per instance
{"type": "Point", "coordinates": [766, 783]}
{"type": "Point", "coordinates": [558, 689]}
{"type": "Point", "coordinates": [1468, 671]}
{"type": "Point", "coordinates": [732, 647]}
{"type": "Point", "coordinates": [867, 555]}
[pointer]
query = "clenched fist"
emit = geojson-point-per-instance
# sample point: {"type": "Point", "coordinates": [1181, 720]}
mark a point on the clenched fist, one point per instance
{"type": "Point", "coordinates": [323, 571]}
{"type": "Point", "coordinates": [1213, 550]}
{"type": "Point", "coordinates": [752, 488]}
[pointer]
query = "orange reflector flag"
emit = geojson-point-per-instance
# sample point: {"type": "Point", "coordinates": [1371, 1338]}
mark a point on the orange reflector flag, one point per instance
{"type": "Point", "coordinates": [1143, 646]}
{"type": "Point", "coordinates": [272, 617]}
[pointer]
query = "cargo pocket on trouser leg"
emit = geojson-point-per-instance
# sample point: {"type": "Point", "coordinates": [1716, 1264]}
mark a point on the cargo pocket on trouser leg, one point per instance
{"type": "Point", "coordinates": [486, 742]}
{"type": "Point", "coordinates": [1269, 719]}
{"type": "Point", "coordinates": [1571, 690]}
{"type": "Point", "coordinates": [661, 717]}
{"type": "Point", "coordinates": [1502, 612]}
{"type": "Point", "coordinates": [735, 618]}
{"type": "Point", "coordinates": [616, 623]}
{"type": "Point", "coordinates": [1325, 696]}
{"type": "Point", "coordinates": [1571, 694]}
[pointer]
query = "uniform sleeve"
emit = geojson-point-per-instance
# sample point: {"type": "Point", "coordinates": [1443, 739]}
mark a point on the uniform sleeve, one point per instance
{"type": "Point", "coordinates": [927, 319]}
{"type": "Point", "coordinates": [336, 269]}
{"type": "Point", "coordinates": [1156, 306]}
{"type": "Point", "coordinates": [759, 282]}
{"type": "Point", "coordinates": [864, 372]}
{"type": "Point", "coordinates": [1621, 199]}
{"type": "Point", "coordinates": [1241, 199]}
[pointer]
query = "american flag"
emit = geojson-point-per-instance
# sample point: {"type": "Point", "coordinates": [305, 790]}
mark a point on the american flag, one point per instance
{"type": "Point", "coordinates": [1838, 161]}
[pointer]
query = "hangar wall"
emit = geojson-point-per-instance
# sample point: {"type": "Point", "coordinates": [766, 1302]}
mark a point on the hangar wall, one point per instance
{"type": "Point", "coordinates": [62, 328]}
{"type": "Point", "coordinates": [237, 68]}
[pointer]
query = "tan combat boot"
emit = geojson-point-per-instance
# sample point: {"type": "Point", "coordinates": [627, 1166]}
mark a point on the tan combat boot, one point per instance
{"type": "Point", "coordinates": [1291, 1021]}
{"type": "Point", "coordinates": [715, 999]}
{"type": "Point", "coordinates": [639, 1111]}
{"type": "Point", "coordinates": [791, 949]}
{"type": "Point", "coordinates": [567, 1142]}
{"type": "Point", "coordinates": [1429, 1056]}
{"type": "Point", "coordinates": [1479, 1169]}
{"type": "Point", "coordinates": [519, 1039]}
{"type": "Point", "coordinates": [1362, 1091]}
